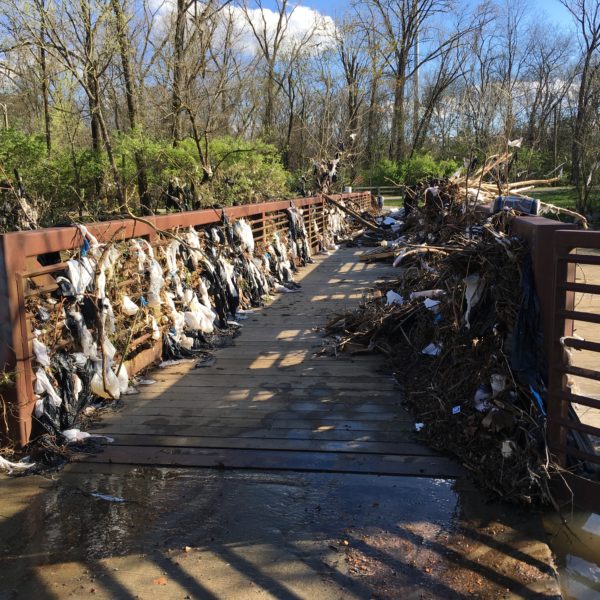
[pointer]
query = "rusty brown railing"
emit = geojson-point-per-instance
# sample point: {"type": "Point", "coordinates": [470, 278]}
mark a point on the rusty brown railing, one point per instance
{"type": "Point", "coordinates": [571, 252]}
{"type": "Point", "coordinates": [23, 276]}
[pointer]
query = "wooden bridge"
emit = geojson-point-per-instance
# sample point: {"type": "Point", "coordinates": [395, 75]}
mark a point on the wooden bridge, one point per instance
{"type": "Point", "coordinates": [271, 402]}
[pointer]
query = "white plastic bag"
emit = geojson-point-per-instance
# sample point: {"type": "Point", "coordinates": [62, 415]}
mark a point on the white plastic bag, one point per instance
{"type": "Point", "coordinates": [41, 352]}
{"type": "Point", "coordinates": [123, 379]}
{"type": "Point", "coordinates": [156, 333]}
{"type": "Point", "coordinates": [474, 286]}
{"type": "Point", "coordinates": [393, 298]}
{"type": "Point", "coordinates": [43, 385]}
{"type": "Point", "coordinates": [156, 284]}
{"type": "Point", "coordinates": [112, 389]}
{"type": "Point", "coordinates": [129, 307]}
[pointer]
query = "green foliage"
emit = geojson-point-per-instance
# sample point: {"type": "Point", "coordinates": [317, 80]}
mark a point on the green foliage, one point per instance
{"type": "Point", "coordinates": [384, 173]}
{"type": "Point", "coordinates": [531, 164]}
{"type": "Point", "coordinates": [20, 151]}
{"type": "Point", "coordinates": [423, 166]}
{"type": "Point", "coordinates": [79, 182]}
{"type": "Point", "coordinates": [409, 172]}
{"type": "Point", "coordinates": [246, 171]}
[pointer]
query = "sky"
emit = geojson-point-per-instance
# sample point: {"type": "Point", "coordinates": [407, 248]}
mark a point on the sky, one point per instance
{"type": "Point", "coordinates": [552, 9]}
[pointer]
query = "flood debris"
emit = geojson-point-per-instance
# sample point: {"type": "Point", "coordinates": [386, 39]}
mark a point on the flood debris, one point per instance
{"type": "Point", "coordinates": [112, 300]}
{"type": "Point", "coordinates": [460, 328]}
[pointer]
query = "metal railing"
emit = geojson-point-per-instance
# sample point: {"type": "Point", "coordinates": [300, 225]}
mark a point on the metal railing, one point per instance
{"type": "Point", "coordinates": [572, 441]}
{"type": "Point", "coordinates": [23, 276]}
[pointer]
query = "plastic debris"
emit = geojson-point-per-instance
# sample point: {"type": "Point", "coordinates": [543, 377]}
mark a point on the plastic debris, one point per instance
{"type": "Point", "coordinates": [498, 383]}
{"type": "Point", "coordinates": [76, 436]}
{"type": "Point", "coordinates": [431, 349]}
{"type": "Point", "coordinates": [107, 497]}
{"type": "Point", "coordinates": [129, 307]}
{"type": "Point", "coordinates": [473, 292]}
{"type": "Point", "coordinates": [41, 352]}
{"type": "Point", "coordinates": [393, 298]}
{"type": "Point", "coordinates": [14, 467]}
{"type": "Point", "coordinates": [432, 305]}
{"type": "Point", "coordinates": [419, 426]}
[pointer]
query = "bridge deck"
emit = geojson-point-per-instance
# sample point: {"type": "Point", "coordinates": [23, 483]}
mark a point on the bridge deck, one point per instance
{"type": "Point", "coordinates": [269, 402]}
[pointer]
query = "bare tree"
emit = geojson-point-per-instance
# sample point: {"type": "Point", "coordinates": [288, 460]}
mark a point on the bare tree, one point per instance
{"type": "Point", "coordinates": [586, 14]}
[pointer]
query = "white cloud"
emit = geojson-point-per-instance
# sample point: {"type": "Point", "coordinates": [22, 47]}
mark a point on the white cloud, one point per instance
{"type": "Point", "coordinates": [301, 24]}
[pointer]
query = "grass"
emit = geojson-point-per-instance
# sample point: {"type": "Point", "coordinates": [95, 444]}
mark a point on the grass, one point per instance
{"type": "Point", "coordinates": [565, 197]}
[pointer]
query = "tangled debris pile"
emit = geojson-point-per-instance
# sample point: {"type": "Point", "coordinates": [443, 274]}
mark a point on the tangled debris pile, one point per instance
{"type": "Point", "coordinates": [461, 330]}
{"type": "Point", "coordinates": [110, 301]}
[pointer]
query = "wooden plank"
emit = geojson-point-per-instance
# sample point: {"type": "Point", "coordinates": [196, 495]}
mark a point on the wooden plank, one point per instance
{"type": "Point", "coordinates": [281, 384]}
{"type": "Point", "coordinates": [329, 462]}
{"type": "Point", "coordinates": [123, 427]}
{"type": "Point", "coordinates": [403, 448]}
{"type": "Point", "coordinates": [266, 406]}
{"type": "Point", "coordinates": [270, 421]}
{"type": "Point", "coordinates": [258, 395]}
{"type": "Point", "coordinates": [325, 416]}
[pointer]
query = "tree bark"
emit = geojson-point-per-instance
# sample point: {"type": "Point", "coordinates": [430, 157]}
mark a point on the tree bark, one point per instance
{"type": "Point", "coordinates": [44, 77]}
{"type": "Point", "coordinates": [125, 49]}
{"type": "Point", "coordinates": [178, 52]}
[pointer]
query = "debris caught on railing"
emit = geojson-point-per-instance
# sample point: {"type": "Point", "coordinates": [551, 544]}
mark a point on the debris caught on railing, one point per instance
{"type": "Point", "coordinates": [112, 300]}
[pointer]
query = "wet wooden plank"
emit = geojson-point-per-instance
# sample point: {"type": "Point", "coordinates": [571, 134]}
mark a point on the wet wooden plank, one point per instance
{"type": "Point", "coordinates": [401, 423]}
{"type": "Point", "coordinates": [329, 434]}
{"type": "Point", "coordinates": [402, 448]}
{"type": "Point", "coordinates": [332, 462]}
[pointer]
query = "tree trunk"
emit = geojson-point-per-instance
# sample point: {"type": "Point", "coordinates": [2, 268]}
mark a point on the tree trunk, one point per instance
{"type": "Point", "coordinates": [397, 133]}
{"type": "Point", "coordinates": [269, 104]}
{"type": "Point", "coordinates": [178, 51]}
{"type": "Point", "coordinates": [579, 126]}
{"type": "Point", "coordinates": [372, 122]}
{"type": "Point", "coordinates": [44, 76]}
{"type": "Point", "coordinates": [125, 49]}
{"type": "Point", "coordinates": [92, 90]}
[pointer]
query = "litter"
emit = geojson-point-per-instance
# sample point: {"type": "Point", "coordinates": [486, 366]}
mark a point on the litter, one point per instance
{"type": "Point", "coordinates": [419, 426]}
{"type": "Point", "coordinates": [76, 436]}
{"type": "Point", "coordinates": [431, 350]}
{"type": "Point", "coordinates": [14, 467]}
{"type": "Point", "coordinates": [394, 298]}
{"type": "Point", "coordinates": [107, 497]}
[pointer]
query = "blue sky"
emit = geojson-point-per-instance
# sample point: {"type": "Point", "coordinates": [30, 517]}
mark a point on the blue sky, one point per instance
{"type": "Point", "coordinates": [551, 9]}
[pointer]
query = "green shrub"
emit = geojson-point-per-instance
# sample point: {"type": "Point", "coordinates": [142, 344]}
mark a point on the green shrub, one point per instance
{"type": "Point", "coordinates": [423, 166]}
{"type": "Point", "coordinates": [246, 171]}
{"type": "Point", "coordinates": [383, 173]}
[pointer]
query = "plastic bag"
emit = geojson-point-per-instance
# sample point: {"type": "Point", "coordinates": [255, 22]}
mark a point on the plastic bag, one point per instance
{"type": "Point", "coordinates": [156, 333]}
{"type": "Point", "coordinates": [41, 352]}
{"type": "Point", "coordinates": [473, 292]}
{"type": "Point", "coordinates": [81, 274]}
{"type": "Point", "coordinates": [112, 389]}
{"type": "Point", "coordinates": [156, 284]}
{"type": "Point", "coordinates": [123, 379]}
{"type": "Point", "coordinates": [43, 385]}
{"type": "Point", "coordinates": [129, 307]}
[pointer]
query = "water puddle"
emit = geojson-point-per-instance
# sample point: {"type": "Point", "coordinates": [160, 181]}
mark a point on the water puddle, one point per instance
{"type": "Point", "coordinates": [386, 537]}
{"type": "Point", "coordinates": [576, 546]}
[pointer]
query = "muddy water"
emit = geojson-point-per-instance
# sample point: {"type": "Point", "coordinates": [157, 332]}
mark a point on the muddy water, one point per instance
{"type": "Point", "coordinates": [576, 545]}
{"type": "Point", "coordinates": [176, 533]}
